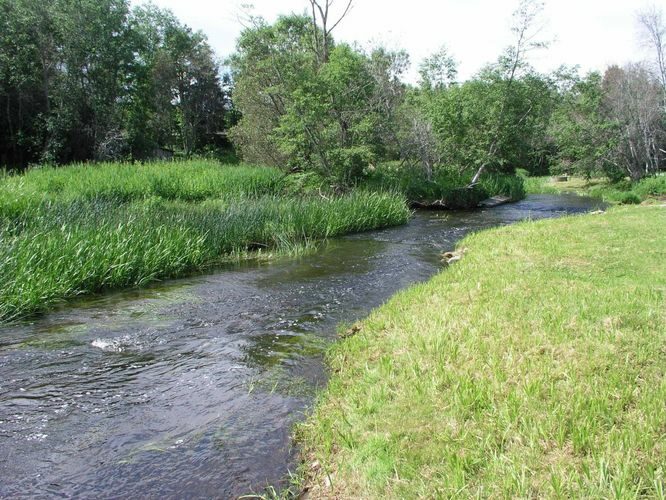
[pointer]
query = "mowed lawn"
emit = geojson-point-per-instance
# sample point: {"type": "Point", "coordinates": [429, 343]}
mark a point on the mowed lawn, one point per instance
{"type": "Point", "coordinates": [534, 367]}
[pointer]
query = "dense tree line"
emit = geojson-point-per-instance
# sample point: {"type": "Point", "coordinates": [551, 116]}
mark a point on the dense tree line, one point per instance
{"type": "Point", "coordinates": [94, 79]}
{"type": "Point", "coordinates": [311, 103]}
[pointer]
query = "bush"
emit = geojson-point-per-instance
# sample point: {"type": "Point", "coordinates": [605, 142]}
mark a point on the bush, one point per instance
{"type": "Point", "coordinates": [304, 183]}
{"type": "Point", "coordinates": [629, 198]}
{"type": "Point", "coordinates": [651, 186]}
{"type": "Point", "coordinates": [350, 164]}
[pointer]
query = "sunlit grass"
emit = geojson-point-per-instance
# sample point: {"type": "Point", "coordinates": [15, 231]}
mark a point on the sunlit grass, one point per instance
{"type": "Point", "coordinates": [532, 368]}
{"type": "Point", "coordinates": [113, 228]}
{"type": "Point", "coordinates": [648, 190]}
{"type": "Point", "coordinates": [125, 182]}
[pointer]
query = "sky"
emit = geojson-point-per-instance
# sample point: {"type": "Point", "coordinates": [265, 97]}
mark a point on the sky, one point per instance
{"type": "Point", "coordinates": [590, 33]}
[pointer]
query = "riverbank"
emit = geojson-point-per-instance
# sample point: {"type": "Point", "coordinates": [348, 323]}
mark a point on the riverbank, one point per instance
{"type": "Point", "coordinates": [84, 229]}
{"type": "Point", "coordinates": [444, 188]}
{"type": "Point", "coordinates": [204, 377]}
{"type": "Point", "coordinates": [649, 190]}
{"type": "Point", "coordinates": [533, 367]}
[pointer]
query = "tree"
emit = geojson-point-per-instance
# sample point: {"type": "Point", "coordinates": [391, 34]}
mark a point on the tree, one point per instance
{"type": "Point", "coordinates": [653, 27]}
{"type": "Point", "coordinates": [464, 120]}
{"type": "Point", "coordinates": [323, 27]}
{"type": "Point", "coordinates": [91, 79]}
{"type": "Point", "coordinates": [585, 138]}
{"type": "Point", "coordinates": [330, 114]}
{"type": "Point", "coordinates": [526, 34]}
{"type": "Point", "coordinates": [95, 53]}
{"type": "Point", "coordinates": [270, 63]}
{"type": "Point", "coordinates": [27, 67]}
{"type": "Point", "coordinates": [633, 100]}
{"type": "Point", "coordinates": [438, 70]}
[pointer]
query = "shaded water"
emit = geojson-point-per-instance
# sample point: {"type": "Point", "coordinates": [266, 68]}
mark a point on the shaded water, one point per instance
{"type": "Point", "coordinates": [190, 388]}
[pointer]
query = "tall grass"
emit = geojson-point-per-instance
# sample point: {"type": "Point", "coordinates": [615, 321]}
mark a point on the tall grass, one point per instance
{"type": "Point", "coordinates": [511, 186]}
{"type": "Point", "coordinates": [540, 185]}
{"type": "Point", "coordinates": [65, 250]}
{"type": "Point", "coordinates": [122, 183]}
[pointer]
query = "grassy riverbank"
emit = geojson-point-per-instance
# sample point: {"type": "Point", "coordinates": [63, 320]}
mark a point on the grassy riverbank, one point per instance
{"type": "Point", "coordinates": [532, 368]}
{"type": "Point", "coordinates": [447, 187]}
{"type": "Point", "coordinates": [80, 230]}
{"type": "Point", "coordinates": [650, 189]}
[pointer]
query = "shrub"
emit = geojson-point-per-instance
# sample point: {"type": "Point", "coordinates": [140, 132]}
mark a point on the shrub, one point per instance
{"type": "Point", "coordinates": [651, 186]}
{"type": "Point", "coordinates": [521, 172]}
{"type": "Point", "coordinates": [629, 198]}
{"type": "Point", "coordinates": [350, 164]}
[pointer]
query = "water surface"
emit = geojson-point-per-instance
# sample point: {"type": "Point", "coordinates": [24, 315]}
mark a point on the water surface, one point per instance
{"type": "Point", "coordinates": [190, 388]}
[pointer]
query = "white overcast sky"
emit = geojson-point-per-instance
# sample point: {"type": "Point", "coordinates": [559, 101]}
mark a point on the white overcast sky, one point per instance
{"type": "Point", "coordinates": [589, 33]}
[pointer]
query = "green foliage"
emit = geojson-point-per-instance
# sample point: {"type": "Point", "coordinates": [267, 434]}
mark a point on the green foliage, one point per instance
{"type": "Point", "coordinates": [331, 115]}
{"type": "Point", "coordinates": [438, 70]}
{"type": "Point", "coordinates": [584, 137]}
{"type": "Point", "coordinates": [120, 225]}
{"type": "Point", "coordinates": [651, 186]}
{"type": "Point", "coordinates": [93, 79]}
{"type": "Point", "coordinates": [540, 185]}
{"type": "Point", "coordinates": [624, 191]}
{"type": "Point", "coordinates": [610, 126]}
{"type": "Point", "coordinates": [629, 199]}
{"type": "Point", "coordinates": [119, 182]}
{"type": "Point", "coordinates": [465, 121]}
{"type": "Point", "coordinates": [511, 186]}
{"type": "Point", "coordinates": [350, 164]}
{"type": "Point", "coordinates": [446, 187]}
{"type": "Point", "coordinates": [304, 184]}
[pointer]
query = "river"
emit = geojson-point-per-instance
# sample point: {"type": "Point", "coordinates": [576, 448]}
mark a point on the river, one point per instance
{"type": "Point", "coordinates": [190, 388]}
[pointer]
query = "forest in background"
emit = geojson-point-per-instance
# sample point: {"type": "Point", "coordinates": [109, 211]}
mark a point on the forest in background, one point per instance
{"type": "Point", "coordinates": [101, 80]}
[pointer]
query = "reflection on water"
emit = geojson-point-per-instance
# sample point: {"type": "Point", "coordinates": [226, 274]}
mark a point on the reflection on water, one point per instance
{"type": "Point", "coordinates": [189, 388]}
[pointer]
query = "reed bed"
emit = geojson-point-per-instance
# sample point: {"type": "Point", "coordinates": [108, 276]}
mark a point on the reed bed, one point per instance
{"type": "Point", "coordinates": [126, 182]}
{"type": "Point", "coordinates": [62, 250]}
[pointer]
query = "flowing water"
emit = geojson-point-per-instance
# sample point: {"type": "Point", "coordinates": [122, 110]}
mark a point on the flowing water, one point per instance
{"type": "Point", "coordinates": [190, 388]}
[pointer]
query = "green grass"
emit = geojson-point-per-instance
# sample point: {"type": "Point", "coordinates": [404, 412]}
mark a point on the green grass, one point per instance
{"type": "Point", "coordinates": [87, 237]}
{"type": "Point", "coordinates": [648, 190]}
{"type": "Point", "coordinates": [125, 182]}
{"type": "Point", "coordinates": [534, 367]}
